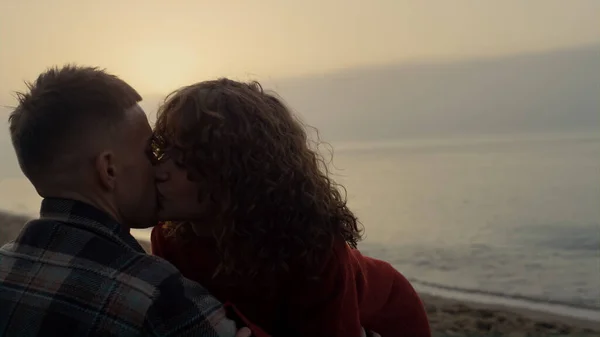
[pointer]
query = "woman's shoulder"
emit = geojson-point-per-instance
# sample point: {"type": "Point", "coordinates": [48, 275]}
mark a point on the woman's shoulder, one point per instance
{"type": "Point", "coordinates": [371, 275]}
{"type": "Point", "coordinates": [164, 241]}
{"type": "Point", "coordinates": [387, 299]}
{"type": "Point", "coordinates": [159, 233]}
{"type": "Point", "coordinates": [158, 229]}
{"type": "Point", "coordinates": [187, 255]}
{"type": "Point", "coordinates": [157, 240]}
{"type": "Point", "coordinates": [375, 270]}
{"type": "Point", "coordinates": [165, 234]}
{"type": "Point", "coordinates": [344, 259]}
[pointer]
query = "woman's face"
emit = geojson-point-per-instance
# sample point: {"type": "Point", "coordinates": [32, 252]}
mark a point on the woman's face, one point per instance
{"type": "Point", "coordinates": [177, 194]}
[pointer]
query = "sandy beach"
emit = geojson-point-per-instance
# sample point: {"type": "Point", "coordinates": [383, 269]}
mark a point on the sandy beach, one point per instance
{"type": "Point", "coordinates": [448, 317]}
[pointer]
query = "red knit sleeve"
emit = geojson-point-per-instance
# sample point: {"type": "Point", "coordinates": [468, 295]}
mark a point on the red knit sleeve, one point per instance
{"type": "Point", "coordinates": [412, 315]}
{"type": "Point", "coordinates": [327, 306]}
{"type": "Point", "coordinates": [389, 303]}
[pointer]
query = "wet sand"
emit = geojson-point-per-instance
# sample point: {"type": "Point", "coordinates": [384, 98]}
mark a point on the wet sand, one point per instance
{"type": "Point", "coordinates": [448, 317]}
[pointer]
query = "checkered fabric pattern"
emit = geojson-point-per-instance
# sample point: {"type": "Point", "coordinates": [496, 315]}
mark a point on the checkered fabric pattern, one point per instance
{"type": "Point", "coordinates": [76, 272]}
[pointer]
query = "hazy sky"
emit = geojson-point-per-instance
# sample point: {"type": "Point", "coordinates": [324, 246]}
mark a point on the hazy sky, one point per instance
{"type": "Point", "coordinates": [159, 45]}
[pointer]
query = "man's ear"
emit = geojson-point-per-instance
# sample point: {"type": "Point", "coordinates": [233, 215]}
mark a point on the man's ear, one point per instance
{"type": "Point", "coordinates": [106, 169]}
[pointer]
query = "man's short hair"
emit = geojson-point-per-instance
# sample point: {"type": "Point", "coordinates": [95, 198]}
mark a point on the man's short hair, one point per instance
{"type": "Point", "coordinates": [59, 109]}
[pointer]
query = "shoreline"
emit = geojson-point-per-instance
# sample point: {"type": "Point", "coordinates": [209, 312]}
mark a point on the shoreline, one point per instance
{"type": "Point", "coordinates": [449, 314]}
{"type": "Point", "coordinates": [457, 315]}
{"type": "Point", "coordinates": [587, 316]}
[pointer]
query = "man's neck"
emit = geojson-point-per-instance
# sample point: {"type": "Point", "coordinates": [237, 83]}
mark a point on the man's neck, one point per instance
{"type": "Point", "coordinates": [96, 201]}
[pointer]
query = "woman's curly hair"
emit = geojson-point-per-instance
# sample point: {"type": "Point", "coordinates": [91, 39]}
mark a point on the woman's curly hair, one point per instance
{"type": "Point", "coordinates": [270, 194]}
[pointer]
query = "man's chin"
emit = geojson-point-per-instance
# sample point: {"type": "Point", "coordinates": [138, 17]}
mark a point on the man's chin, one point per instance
{"type": "Point", "coordinates": [165, 216]}
{"type": "Point", "coordinates": [147, 223]}
{"type": "Point", "coordinates": [161, 212]}
{"type": "Point", "coordinates": [144, 226]}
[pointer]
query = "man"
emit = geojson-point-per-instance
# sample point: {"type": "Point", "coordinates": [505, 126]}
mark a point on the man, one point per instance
{"type": "Point", "coordinates": [84, 143]}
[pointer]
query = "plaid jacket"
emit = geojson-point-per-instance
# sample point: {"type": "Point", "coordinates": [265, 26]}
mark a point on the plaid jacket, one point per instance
{"type": "Point", "coordinates": [73, 272]}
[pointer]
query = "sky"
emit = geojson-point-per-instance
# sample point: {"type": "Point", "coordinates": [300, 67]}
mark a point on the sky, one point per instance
{"type": "Point", "coordinates": [158, 46]}
{"type": "Point", "coordinates": [315, 51]}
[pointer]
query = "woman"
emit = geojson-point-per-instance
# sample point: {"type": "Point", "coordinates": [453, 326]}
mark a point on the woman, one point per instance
{"type": "Point", "coordinates": [256, 219]}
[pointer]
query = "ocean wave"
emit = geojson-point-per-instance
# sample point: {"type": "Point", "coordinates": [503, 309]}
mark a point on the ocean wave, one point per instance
{"type": "Point", "coordinates": [504, 295]}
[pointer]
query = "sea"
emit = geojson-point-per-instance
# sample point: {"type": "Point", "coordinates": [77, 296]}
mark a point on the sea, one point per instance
{"type": "Point", "coordinates": [510, 220]}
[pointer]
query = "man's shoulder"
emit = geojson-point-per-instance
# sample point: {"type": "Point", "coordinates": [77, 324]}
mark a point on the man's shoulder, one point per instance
{"type": "Point", "coordinates": [97, 280]}
{"type": "Point", "coordinates": [66, 246]}
{"type": "Point", "coordinates": [78, 263]}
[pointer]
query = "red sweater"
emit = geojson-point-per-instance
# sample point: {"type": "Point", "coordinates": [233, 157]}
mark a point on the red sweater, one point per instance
{"type": "Point", "coordinates": [354, 291]}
